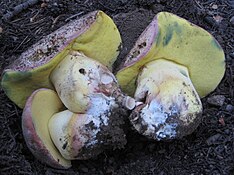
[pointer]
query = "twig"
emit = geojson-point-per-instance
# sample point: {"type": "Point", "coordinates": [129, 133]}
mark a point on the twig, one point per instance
{"type": "Point", "coordinates": [56, 19]}
{"type": "Point", "coordinates": [20, 44]}
{"type": "Point", "coordinates": [199, 5]}
{"type": "Point", "coordinates": [19, 8]}
{"type": "Point", "coordinates": [73, 16]}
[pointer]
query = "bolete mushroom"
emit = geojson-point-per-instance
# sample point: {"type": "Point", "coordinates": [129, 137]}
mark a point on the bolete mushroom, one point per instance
{"type": "Point", "coordinates": [78, 79]}
{"type": "Point", "coordinates": [40, 107]}
{"type": "Point", "coordinates": [85, 85]}
{"type": "Point", "coordinates": [94, 35]}
{"type": "Point", "coordinates": [93, 99]}
{"type": "Point", "coordinates": [172, 63]}
{"type": "Point", "coordinates": [78, 132]}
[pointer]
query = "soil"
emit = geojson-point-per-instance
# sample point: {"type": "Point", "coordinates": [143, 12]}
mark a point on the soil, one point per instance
{"type": "Point", "coordinates": [209, 150]}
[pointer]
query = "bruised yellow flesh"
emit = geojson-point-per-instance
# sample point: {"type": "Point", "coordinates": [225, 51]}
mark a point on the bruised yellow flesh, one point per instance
{"type": "Point", "coordinates": [186, 44]}
{"type": "Point", "coordinates": [100, 42]}
{"type": "Point", "coordinates": [44, 105]}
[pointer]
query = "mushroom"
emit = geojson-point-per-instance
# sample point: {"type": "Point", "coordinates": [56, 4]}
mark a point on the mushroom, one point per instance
{"type": "Point", "coordinates": [40, 107]}
{"type": "Point", "coordinates": [76, 61]}
{"type": "Point", "coordinates": [172, 65]}
{"type": "Point", "coordinates": [76, 132]}
{"type": "Point", "coordinates": [78, 79]}
{"type": "Point", "coordinates": [94, 35]}
{"type": "Point", "coordinates": [92, 96]}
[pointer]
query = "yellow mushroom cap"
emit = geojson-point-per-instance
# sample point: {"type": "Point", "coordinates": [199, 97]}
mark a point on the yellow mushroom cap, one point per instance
{"type": "Point", "coordinates": [94, 34]}
{"type": "Point", "coordinates": [39, 109]}
{"type": "Point", "coordinates": [175, 39]}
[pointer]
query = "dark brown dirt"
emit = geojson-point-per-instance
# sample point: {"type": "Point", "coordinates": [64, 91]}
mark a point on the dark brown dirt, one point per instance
{"type": "Point", "coordinates": [209, 150]}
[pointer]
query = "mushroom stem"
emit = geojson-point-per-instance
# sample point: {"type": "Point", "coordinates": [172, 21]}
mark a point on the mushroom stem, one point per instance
{"type": "Point", "coordinates": [78, 79]}
{"type": "Point", "coordinates": [171, 105]}
{"type": "Point", "coordinates": [93, 98]}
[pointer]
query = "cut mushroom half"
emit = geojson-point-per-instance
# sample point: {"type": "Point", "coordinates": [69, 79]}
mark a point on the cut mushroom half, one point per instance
{"type": "Point", "coordinates": [39, 109]}
{"type": "Point", "coordinates": [172, 64]}
{"type": "Point", "coordinates": [92, 121]}
{"type": "Point", "coordinates": [171, 105]}
{"type": "Point", "coordinates": [94, 35]}
{"type": "Point", "coordinates": [84, 136]}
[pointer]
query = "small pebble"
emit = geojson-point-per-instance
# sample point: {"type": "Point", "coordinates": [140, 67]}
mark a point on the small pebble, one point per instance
{"type": "Point", "coordinates": [218, 18]}
{"type": "Point", "coordinates": [221, 121]}
{"type": "Point", "coordinates": [216, 100]}
{"type": "Point", "coordinates": [43, 5]}
{"type": "Point", "coordinates": [229, 108]}
{"type": "Point", "coordinates": [1, 30]}
{"type": "Point", "coordinates": [214, 6]}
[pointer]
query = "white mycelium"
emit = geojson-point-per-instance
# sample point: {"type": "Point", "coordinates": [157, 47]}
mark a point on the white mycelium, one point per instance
{"type": "Point", "coordinates": [98, 114]}
{"type": "Point", "coordinates": [82, 129]}
{"type": "Point", "coordinates": [153, 115]}
{"type": "Point", "coordinates": [166, 130]}
{"type": "Point", "coordinates": [170, 101]}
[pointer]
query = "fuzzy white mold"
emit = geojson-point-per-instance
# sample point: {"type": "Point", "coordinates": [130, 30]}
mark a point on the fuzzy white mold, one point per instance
{"type": "Point", "coordinates": [166, 130]}
{"type": "Point", "coordinates": [154, 116]}
{"type": "Point", "coordinates": [98, 114]}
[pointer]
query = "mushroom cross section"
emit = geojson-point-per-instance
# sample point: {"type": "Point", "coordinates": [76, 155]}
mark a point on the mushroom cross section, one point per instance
{"type": "Point", "coordinates": [172, 63]}
{"type": "Point", "coordinates": [94, 35]}
{"type": "Point", "coordinates": [80, 120]}
{"type": "Point", "coordinates": [87, 124]}
{"type": "Point", "coordinates": [39, 109]}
